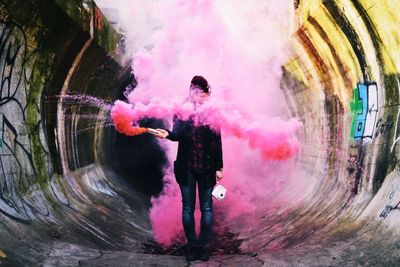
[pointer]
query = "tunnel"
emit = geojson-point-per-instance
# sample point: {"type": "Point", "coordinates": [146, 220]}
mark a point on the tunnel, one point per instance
{"type": "Point", "coordinates": [73, 193]}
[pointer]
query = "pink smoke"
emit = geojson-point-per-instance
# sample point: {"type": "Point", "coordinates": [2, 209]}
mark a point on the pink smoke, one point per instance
{"type": "Point", "coordinates": [166, 216]}
{"type": "Point", "coordinates": [239, 46]}
{"type": "Point", "coordinates": [274, 139]}
{"type": "Point", "coordinates": [273, 144]}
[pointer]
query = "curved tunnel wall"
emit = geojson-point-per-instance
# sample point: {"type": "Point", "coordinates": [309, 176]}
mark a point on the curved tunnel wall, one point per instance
{"type": "Point", "coordinates": [51, 184]}
{"type": "Point", "coordinates": [57, 188]}
{"type": "Point", "coordinates": [343, 82]}
{"type": "Point", "coordinates": [346, 67]}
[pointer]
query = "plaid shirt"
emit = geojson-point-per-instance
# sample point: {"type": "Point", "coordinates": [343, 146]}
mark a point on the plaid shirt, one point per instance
{"type": "Point", "coordinates": [196, 160]}
{"type": "Point", "coordinates": [201, 148]}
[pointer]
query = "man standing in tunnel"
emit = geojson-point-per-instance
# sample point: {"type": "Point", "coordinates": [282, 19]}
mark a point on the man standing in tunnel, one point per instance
{"type": "Point", "coordinates": [199, 160]}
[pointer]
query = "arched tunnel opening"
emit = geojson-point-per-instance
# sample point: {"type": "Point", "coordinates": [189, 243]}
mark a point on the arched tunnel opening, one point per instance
{"type": "Point", "coordinates": [74, 191]}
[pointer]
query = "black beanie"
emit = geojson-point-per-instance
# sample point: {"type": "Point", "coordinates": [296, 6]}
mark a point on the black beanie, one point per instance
{"type": "Point", "coordinates": [201, 82]}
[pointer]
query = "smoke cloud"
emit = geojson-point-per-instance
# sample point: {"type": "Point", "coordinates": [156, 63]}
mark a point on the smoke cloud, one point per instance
{"type": "Point", "coordinates": [239, 47]}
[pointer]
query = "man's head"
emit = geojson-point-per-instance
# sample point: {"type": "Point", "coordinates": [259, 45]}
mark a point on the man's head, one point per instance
{"type": "Point", "coordinates": [199, 89]}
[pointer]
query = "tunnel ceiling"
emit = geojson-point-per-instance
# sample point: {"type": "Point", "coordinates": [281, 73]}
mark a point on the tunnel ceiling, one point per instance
{"type": "Point", "coordinates": [63, 199]}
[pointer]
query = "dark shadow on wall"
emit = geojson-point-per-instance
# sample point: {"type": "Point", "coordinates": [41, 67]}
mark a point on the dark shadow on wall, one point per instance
{"type": "Point", "coordinates": [139, 159]}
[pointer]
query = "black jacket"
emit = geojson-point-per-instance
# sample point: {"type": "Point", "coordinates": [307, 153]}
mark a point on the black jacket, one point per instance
{"type": "Point", "coordinates": [182, 132]}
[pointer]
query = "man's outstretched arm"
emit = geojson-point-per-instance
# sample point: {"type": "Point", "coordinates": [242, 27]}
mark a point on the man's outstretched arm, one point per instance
{"type": "Point", "coordinates": [175, 134]}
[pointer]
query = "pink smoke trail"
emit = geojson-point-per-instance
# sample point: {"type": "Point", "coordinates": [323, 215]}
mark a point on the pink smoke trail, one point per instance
{"type": "Point", "coordinates": [276, 145]}
{"type": "Point", "coordinates": [123, 120]}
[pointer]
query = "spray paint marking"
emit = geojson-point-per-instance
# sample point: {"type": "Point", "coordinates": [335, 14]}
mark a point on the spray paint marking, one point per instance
{"type": "Point", "coordinates": [355, 108]}
{"type": "Point", "coordinates": [391, 205]}
{"type": "Point", "coordinates": [396, 138]}
{"type": "Point", "coordinates": [364, 108]}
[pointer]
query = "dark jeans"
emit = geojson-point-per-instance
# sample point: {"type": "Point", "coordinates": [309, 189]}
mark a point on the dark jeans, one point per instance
{"type": "Point", "coordinates": [188, 201]}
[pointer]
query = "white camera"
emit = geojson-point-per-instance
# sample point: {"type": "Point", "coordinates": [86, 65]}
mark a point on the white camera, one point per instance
{"type": "Point", "coordinates": [219, 192]}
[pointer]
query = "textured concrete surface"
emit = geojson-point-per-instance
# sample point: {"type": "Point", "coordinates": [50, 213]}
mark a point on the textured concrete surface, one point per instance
{"type": "Point", "coordinates": [65, 202]}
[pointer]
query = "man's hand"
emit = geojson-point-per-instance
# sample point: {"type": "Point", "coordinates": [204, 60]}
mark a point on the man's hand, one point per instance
{"type": "Point", "coordinates": [160, 133]}
{"type": "Point", "coordinates": [219, 175]}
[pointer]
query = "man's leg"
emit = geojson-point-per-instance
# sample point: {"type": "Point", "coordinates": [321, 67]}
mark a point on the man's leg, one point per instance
{"type": "Point", "coordinates": [188, 192]}
{"type": "Point", "coordinates": [206, 209]}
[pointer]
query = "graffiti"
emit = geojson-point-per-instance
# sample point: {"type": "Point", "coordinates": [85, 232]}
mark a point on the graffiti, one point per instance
{"type": "Point", "coordinates": [383, 126]}
{"type": "Point", "coordinates": [364, 109]}
{"type": "Point", "coordinates": [17, 168]}
{"type": "Point", "coordinates": [15, 159]}
{"type": "Point", "coordinates": [18, 153]}
{"type": "Point", "coordinates": [388, 208]}
{"type": "Point", "coordinates": [396, 132]}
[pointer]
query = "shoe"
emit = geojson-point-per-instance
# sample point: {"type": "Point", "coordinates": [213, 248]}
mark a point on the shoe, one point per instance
{"type": "Point", "coordinates": [203, 254]}
{"type": "Point", "coordinates": [191, 253]}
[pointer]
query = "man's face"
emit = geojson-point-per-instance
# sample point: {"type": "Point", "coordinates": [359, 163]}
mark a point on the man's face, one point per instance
{"type": "Point", "coordinates": [198, 95]}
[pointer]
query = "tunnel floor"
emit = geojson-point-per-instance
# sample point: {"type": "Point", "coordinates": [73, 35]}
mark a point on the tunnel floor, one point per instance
{"type": "Point", "coordinates": [349, 249]}
{"type": "Point", "coordinates": [351, 245]}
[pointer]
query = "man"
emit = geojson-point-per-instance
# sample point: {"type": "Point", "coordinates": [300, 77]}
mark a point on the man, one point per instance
{"type": "Point", "coordinates": [199, 160]}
